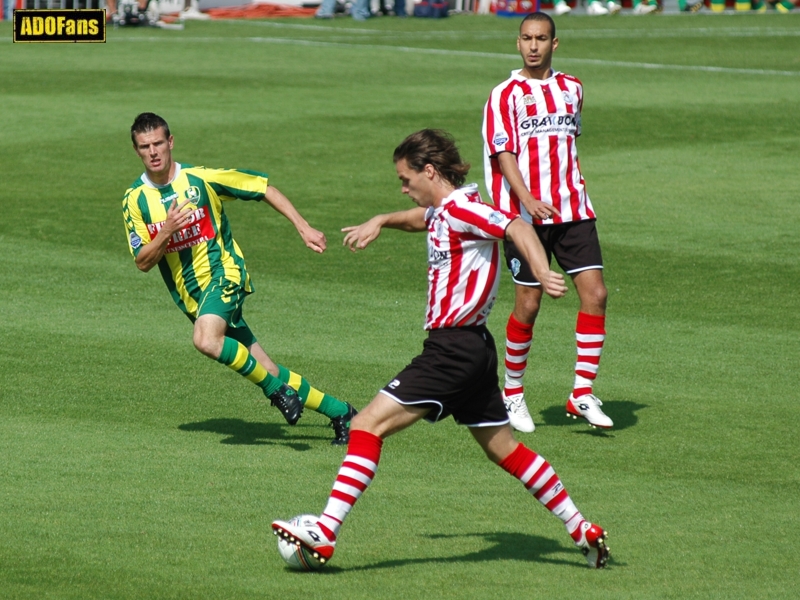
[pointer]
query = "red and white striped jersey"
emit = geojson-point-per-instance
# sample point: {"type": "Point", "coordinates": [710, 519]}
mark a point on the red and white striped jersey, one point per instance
{"type": "Point", "coordinates": [538, 121]}
{"type": "Point", "coordinates": [463, 259]}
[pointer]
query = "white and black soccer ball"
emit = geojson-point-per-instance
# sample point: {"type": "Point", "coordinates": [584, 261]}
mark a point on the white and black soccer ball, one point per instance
{"type": "Point", "coordinates": [294, 555]}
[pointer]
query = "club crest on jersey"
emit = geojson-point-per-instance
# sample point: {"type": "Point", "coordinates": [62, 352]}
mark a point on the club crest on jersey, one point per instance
{"type": "Point", "coordinates": [515, 266]}
{"type": "Point", "coordinates": [499, 139]}
{"type": "Point", "coordinates": [135, 240]}
{"type": "Point", "coordinates": [528, 99]}
{"type": "Point", "coordinates": [192, 194]}
{"type": "Point", "coordinates": [495, 217]}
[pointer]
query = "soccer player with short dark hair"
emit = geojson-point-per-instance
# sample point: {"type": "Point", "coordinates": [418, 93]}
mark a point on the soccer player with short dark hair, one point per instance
{"type": "Point", "coordinates": [174, 219]}
{"type": "Point", "coordinates": [456, 373]}
{"type": "Point", "coordinates": [531, 123]}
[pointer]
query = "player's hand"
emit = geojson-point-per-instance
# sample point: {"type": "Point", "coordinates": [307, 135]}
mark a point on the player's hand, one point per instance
{"type": "Point", "coordinates": [553, 284]}
{"type": "Point", "coordinates": [541, 210]}
{"type": "Point", "coordinates": [177, 217]}
{"type": "Point", "coordinates": [314, 239]}
{"type": "Point", "coordinates": [359, 237]}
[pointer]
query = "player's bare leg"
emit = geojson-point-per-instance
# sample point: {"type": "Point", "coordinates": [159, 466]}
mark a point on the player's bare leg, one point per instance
{"type": "Point", "coordinates": [263, 358]}
{"type": "Point", "coordinates": [592, 291]}
{"type": "Point", "coordinates": [384, 417]}
{"type": "Point", "coordinates": [541, 480]}
{"type": "Point", "coordinates": [590, 337]}
{"type": "Point", "coordinates": [519, 337]}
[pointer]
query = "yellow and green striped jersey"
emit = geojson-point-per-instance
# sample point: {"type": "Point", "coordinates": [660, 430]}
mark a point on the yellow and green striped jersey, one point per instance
{"type": "Point", "coordinates": [204, 251]}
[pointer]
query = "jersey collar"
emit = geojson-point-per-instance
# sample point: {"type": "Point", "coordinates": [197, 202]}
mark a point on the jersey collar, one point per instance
{"type": "Point", "coordinates": [517, 74]}
{"type": "Point", "coordinates": [147, 181]}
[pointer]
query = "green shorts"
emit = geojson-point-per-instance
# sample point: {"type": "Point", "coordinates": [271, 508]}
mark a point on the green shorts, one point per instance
{"type": "Point", "coordinates": [226, 300]}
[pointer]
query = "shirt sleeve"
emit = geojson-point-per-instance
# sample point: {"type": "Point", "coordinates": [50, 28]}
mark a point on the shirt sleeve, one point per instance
{"type": "Point", "coordinates": [135, 227]}
{"type": "Point", "coordinates": [236, 184]}
{"type": "Point", "coordinates": [499, 123]}
{"type": "Point", "coordinates": [480, 220]}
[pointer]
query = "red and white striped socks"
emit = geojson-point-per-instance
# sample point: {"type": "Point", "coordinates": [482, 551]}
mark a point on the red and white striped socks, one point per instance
{"type": "Point", "coordinates": [541, 480]}
{"type": "Point", "coordinates": [355, 475]}
{"type": "Point", "coordinates": [590, 334]}
{"type": "Point", "coordinates": [361, 463]}
{"type": "Point", "coordinates": [518, 344]}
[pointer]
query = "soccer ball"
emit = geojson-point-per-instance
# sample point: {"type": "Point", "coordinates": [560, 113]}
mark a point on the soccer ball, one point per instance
{"type": "Point", "coordinates": [294, 555]}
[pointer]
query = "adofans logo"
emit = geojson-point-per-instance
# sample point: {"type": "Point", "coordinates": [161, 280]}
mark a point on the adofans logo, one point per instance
{"type": "Point", "coordinates": [86, 25]}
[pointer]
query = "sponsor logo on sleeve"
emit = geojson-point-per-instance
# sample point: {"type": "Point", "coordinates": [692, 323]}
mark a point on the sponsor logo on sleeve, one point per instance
{"type": "Point", "coordinates": [495, 217]}
{"type": "Point", "coordinates": [135, 240]}
{"type": "Point", "coordinates": [568, 98]}
{"type": "Point", "coordinates": [500, 139]}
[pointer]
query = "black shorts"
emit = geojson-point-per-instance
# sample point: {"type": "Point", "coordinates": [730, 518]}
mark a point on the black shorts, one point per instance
{"type": "Point", "coordinates": [456, 374]}
{"type": "Point", "coordinates": [575, 246]}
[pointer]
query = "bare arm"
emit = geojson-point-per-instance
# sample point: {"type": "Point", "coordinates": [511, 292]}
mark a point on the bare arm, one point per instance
{"type": "Point", "coordinates": [510, 169]}
{"type": "Point", "coordinates": [359, 237]}
{"type": "Point", "coordinates": [525, 238]}
{"type": "Point", "coordinates": [151, 253]}
{"type": "Point", "coordinates": [312, 238]}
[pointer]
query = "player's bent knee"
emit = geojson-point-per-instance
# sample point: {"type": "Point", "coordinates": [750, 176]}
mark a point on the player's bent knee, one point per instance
{"type": "Point", "coordinates": [206, 345]}
{"type": "Point", "coordinates": [599, 297]}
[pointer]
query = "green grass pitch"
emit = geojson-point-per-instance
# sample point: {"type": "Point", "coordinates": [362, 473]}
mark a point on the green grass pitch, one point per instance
{"type": "Point", "coordinates": [133, 467]}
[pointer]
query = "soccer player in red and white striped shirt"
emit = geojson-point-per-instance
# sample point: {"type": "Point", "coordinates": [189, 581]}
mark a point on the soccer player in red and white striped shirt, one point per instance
{"type": "Point", "coordinates": [456, 373]}
{"type": "Point", "coordinates": [531, 123]}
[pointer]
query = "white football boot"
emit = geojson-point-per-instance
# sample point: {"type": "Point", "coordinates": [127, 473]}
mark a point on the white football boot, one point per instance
{"type": "Point", "coordinates": [596, 9]}
{"type": "Point", "coordinates": [613, 7]}
{"type": "Point", "coordinates": [562, 8]}
{"type": "Point", "coordinates": [593, 545]}
{"type": "Point", "coordinates": [308, 536]}
{"type": "Point", "coordinates": [588, 407]}
{"type": "Point", "coordinates": [192, 13]}
{"type": "Point", "coordinates": [645, 9]}
{"type": "Point", "coordinates": [518, 413]}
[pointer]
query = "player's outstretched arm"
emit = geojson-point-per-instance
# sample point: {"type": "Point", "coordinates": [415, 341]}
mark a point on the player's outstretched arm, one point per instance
{"type": "Point", "coordinates": [525, 238]}
{"type": "Point", "coordinates": [177, 219]}
{"type": "Point", "coordinates": [311, 237]}
{"type": "Point", "coordinates": [358, 237]}
{"type": "Point", "coordinates": [536, 208]}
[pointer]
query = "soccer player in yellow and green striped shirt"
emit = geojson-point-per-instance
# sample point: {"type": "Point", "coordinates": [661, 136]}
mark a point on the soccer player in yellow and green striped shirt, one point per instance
{"type": "Point", "coordinates": [174, 219]}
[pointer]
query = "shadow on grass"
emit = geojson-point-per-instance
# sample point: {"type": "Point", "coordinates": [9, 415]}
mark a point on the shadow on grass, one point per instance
{"type": "Point", "coordinates": [248, 433]}
{"type": "Point", "coordinates": [622, 412]}
{"type": "Point", "coordinates": [505, 546]}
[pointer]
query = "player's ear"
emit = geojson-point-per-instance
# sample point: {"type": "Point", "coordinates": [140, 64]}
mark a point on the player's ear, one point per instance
{"type": "Point", "coordinates": [171, 141]}
{"type": "Point", "coordinates": [555, 44]}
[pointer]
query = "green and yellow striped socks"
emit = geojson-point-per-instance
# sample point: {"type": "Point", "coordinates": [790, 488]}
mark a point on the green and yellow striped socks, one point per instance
{"type": "Point", "coordinates": [311, 397]}
{"type": "Point", "coordinates": [236, 356]}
